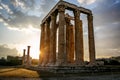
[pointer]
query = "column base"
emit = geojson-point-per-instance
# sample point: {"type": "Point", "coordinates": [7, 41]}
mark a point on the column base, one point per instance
{"type": "Point", "coordinates": [92, 64]}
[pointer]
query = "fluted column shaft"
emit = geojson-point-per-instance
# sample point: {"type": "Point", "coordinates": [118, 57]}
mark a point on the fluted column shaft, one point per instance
{"type": "Point", "coordinates": [69, 41]}
{"type": "Point", "coordinates": [61, 37]}
{"type": "Point", "coordinates": [78, 39]}
{"type": "Point", "coordinates": [91, 39]}
{"type": "Point", "coordinates": [71, 44]}
{"type": "Point", "coordinates": [53, 39]}
{"type": "Point", "coordinates": [47, 42]}
{"type": "Point", "coordinates": [42, 44]}
{"type": "Point", "coordinates": [67, 38]}
{"type": "Point", "coordinates": [81, 43]}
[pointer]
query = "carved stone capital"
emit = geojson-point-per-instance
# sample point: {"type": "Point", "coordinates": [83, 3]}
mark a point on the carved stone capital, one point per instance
{"type": "Point", "coordinates": [47, 22]}
{"type": "Point", "coordinates": [61, 8]}
{"type": "Point", "coordinates": [90, 17]}
{"type": "Point", "coordinates": [52, 17]}
{"type": "Point", "coordinates": [67, 20]}
{"type": "Point", "coordinates": [77, 13]}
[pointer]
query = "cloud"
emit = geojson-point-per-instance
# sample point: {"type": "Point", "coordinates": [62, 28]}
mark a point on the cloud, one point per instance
{"type": "Point", "coordinates": [4, 50]}
{"type": "Point", "coordinates": [22, 13]}
{"type": "Point", "coordinates": [105, 14]}
{"type": "Point", "coordinates": [23, 4]}
{"type": "Point", "coordinates": [86, 1]}
{"type": "Point", "coordinates": [106, 19]}
{"type": "Point", "coordinates": [47, 4]}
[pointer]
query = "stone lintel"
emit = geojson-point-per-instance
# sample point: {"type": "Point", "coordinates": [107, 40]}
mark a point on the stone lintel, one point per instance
{"type": "Point", "coordinates": [72, 7]}
{"type": "Point", "coordinates": [68, 6]}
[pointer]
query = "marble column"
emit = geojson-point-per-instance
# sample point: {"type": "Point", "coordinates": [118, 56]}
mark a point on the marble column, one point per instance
{"type": "Point", "coordinates": [67, 38]}
{"type": "Point", "coordinates": [28, 56]}
{"type": "Point", "coordinates": [62, 57]}
{"type": "Point", "coordinates": [53, 39]}
{"type": "Point", "coordinates": [91, 39]}
{"type": "Point", "coordinates": [47, 42]}
{"type": "Point", "coordinates": [69, 41]}
{"type": "Point", "coordinates": [78, 39]}
{"type": "Point", "coordinates": [42, 44]}
{"type": "Point", "coordinates": [24, 50]}
{"type": "Point", "coordinates": [81, 43]}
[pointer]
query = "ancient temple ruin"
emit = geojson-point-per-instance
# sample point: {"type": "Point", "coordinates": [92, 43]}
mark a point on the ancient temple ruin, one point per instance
{"type": "Point", "coordinates": [26, 61]}
{"type": "Point", "coordinates": [70, 50]}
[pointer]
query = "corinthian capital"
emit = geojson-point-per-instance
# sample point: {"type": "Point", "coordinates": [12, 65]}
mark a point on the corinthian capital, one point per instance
{"type": "Point", "coordinates": [61, 8]}
{"type": "Point", "coordinates": [77, 13]}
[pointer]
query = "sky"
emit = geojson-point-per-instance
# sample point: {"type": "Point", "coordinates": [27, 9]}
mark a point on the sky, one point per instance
{"type": "Point", "coordinates": [20, 25]}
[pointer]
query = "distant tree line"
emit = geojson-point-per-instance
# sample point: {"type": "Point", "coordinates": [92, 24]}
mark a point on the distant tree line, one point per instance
{"type": "Point", "coordinates": [110, 61]}
{"type": "Point", "coordinates": [14, 61]}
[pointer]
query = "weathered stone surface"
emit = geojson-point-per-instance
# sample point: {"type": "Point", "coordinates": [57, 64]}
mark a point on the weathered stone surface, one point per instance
{"type": "Point", "coordinates": [42, 44]}
{"type": "Point", "coordinates": [78, 39]}
{"type": "Point", "coordinates": [81, 43]}
{"type": "Point", "coordinates": [71, 44]}
{"type": "Point", "coordinates": [67, 38]}
{"type": "Point", "coordinates": [52, 57]}
{"type": "Point", "coordinates": [28, 56]}
{"type": "Point", "coordinates": [47, 42]}
{"type": "Point", "coordinates": [70, 37]}
{"type": "Point", "coordinates": [61, 37]}
{"type": "Point", "coordinates": [69, 41]}
{"type": "Point", "coordinates": [91, 40]}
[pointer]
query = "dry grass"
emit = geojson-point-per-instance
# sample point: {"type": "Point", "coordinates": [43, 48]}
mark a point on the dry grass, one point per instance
{"type": "Point", "coordinates": [17, 72]}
